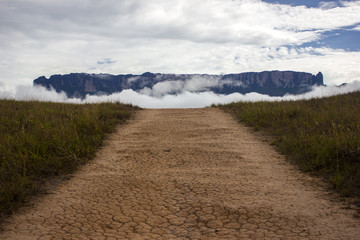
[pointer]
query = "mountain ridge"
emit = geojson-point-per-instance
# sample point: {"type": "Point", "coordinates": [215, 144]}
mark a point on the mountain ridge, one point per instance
{"type": "Point", "coordinates": [273, 83]}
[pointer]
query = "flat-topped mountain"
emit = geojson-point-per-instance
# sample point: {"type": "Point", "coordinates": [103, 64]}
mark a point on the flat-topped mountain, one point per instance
{"type": "Point", "coordinates": [274, 83]}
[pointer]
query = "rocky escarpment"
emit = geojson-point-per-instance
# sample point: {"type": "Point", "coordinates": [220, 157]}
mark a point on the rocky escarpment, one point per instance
{"type": "Point", "coordinates": [274, 83]}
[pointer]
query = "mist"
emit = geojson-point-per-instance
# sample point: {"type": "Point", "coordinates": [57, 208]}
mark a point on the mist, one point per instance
{"type": "Point", "coordinates": [185, 99]}
{"type": "Point", "coordinates": [196, 83]}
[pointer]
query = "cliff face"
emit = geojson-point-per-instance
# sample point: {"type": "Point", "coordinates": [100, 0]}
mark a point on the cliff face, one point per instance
{"type": "Point", "coordinates": [274, 83]}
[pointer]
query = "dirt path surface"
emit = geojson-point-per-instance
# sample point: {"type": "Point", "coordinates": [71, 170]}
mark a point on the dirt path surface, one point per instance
{"type": "Point", "coordinates": [185, 174]}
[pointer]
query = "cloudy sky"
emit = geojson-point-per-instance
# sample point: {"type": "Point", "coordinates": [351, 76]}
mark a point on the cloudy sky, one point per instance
{"type": "Point", "coordinates": [45, 37]}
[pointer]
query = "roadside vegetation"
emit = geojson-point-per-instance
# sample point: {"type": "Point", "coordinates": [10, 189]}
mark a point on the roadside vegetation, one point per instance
{"type": "Point", "coordinates": [40, 140]}
{"type": "Point", "coordinates": [321, 135]}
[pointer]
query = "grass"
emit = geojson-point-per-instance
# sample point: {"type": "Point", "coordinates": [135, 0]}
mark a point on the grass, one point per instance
{"type": "Point", "coordinates": [40, 140]}
{"type": "Point", "coordinates": [321, 135]}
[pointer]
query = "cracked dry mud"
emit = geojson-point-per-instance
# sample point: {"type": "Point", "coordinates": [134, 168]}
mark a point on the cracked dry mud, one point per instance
{"type": "Point", "coordinates": [185, 174]}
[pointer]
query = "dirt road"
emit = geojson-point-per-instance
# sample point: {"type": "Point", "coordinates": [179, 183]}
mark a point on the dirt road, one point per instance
{"type": "Point", "coordinates": [185, 174]}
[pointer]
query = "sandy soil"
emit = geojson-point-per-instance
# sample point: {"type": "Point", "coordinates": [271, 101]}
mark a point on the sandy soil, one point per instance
{"type": "Point", "coordinates": [185, 174]}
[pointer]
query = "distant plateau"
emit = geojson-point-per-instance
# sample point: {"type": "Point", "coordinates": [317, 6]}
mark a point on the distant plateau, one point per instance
{"type": "Point", "coordinates": [273, 83]}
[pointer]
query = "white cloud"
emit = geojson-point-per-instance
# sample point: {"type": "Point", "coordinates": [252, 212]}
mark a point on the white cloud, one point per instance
{"type": "Point", "coordinates": [218, 21]}
{"type": "Point", "coordinates": [357, 28]}
{"type": "Point", "coordinates": [163, 88]}
{"type": "Point", "coordinates": [40, 37]}
{"type": "Point", "coordinates": [327, 5]}
{"type": "Point", "coordinates": [196, 83]}
{"type": "Point", "coordinates": [183, 100]}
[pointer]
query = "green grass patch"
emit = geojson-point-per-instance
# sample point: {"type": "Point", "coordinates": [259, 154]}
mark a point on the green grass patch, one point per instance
{"type": "Point", "coordinates": [40, 140]}
{"type": "Point", "coordinates": [321, 135]}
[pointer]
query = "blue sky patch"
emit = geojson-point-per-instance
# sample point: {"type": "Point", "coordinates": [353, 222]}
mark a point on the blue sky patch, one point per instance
{"type": "Point", "coordinates": [106, 61]}
{"type": "Point", "coordinates": [346, 39]}
{"type": "Point", "coordinates": [308, 3]}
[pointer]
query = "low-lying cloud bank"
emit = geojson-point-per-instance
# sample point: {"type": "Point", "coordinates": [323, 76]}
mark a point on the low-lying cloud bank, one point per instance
{"type": "Point", "coordinates": [185, 99]}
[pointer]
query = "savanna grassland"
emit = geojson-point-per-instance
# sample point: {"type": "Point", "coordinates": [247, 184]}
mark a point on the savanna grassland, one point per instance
{"type": "Point", "coordinates": [321, 135]}
{"type": "Point", "coordinates": [41, 140]}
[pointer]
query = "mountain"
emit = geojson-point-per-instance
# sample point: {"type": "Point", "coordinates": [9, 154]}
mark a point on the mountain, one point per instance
{"type": "Point", "coordinates": [273, 83]}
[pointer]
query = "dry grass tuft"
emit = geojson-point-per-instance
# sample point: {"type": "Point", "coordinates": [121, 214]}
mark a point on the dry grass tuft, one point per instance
{"type": "Point", "coordinates": [40, 140]}
{"type": "Point", "coordinates": [320, 135]}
